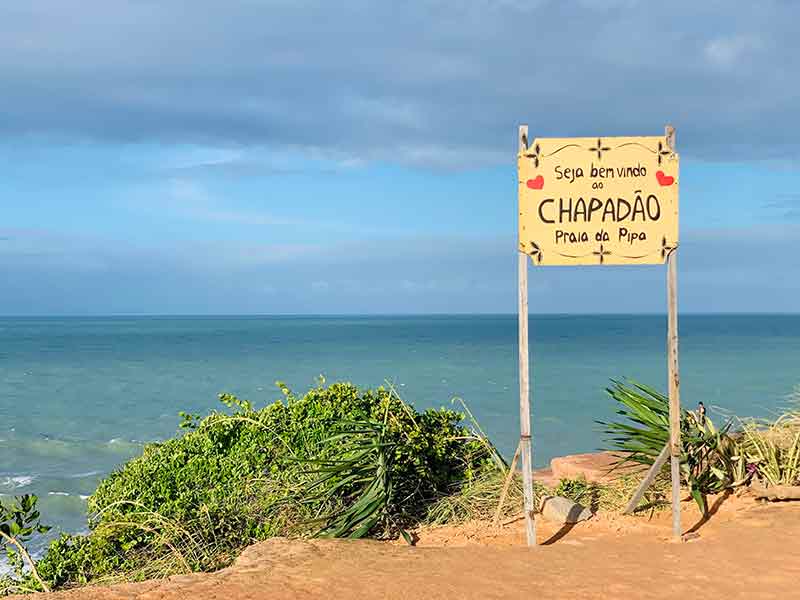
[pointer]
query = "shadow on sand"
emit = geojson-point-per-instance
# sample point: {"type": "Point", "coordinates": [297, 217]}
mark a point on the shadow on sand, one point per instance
{"type": "Point", "coordinates": [565, 529]}
{"type": "Point", "coordinates": [710, 513]}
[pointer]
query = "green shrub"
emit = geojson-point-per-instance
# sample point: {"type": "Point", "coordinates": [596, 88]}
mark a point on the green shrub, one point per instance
{"type": "Point", "coordinates": [193, 502]}
{"type": "Point", "coordinates": [579, 490]}
{"type": "Point", "coordinates": [19, 523]}
{"type": "Point", "coordinates": [70, 559]}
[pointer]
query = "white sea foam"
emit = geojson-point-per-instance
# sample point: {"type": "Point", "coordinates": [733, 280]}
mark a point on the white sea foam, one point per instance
{"type": "Point", "coordinates": [16, 481]}
{"type": "Point", "coordinates": [82, 475]}
{"type": "Point", "coordinates": [58, 493]}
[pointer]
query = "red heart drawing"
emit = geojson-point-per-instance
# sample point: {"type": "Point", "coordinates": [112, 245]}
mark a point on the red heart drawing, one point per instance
{"type": "Point", "coordinates": [536, 184]}
{"type": "Point", "coordinates": [664, 179]}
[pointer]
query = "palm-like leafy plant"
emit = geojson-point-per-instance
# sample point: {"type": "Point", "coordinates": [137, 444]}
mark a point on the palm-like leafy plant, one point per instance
{"type": "Point", "coordinates": [709, 461]}
{"type": "Point", "coordinates": [354, 486]}
{"type": "Point", "coordinates": [645, 432]}
{"type": "Point", "coordinates": [379, 472]}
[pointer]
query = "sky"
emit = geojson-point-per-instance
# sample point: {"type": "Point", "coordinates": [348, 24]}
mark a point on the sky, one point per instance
{"type": "Point", "coordinates": [301, 157]}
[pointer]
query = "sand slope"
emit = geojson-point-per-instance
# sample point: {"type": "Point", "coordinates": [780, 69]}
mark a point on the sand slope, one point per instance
{"type": "Point", "coordinates": [746, 550]}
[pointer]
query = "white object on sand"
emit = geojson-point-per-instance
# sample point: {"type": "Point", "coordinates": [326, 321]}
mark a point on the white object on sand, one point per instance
{"type": "Point", "coordinates": [563, 510]}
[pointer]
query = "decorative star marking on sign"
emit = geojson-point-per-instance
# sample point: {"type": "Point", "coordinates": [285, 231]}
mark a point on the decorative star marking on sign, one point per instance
{"type": "Point", "coordinates": [601, 253]}
{"type": "Point", "coordinates": [536, 252]}
{"type": "Point", "coordinates": [599, 149]}
{"type": "Point", "coordinates": [663, 151]}
{"type": "Point", "coordinates": [535, 155]}
{"type": "Point", "coordinates": [666, 248]}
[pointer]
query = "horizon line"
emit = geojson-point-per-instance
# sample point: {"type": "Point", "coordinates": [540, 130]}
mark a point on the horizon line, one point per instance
{"type": "Point", "coordinates": [389, 314]}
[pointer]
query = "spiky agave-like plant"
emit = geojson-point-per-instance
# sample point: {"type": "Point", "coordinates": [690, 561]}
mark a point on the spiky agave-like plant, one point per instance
{"type": "Point", "coordinates": [708, 457]}
{"type": "Point", "coordinates": [354, 486]}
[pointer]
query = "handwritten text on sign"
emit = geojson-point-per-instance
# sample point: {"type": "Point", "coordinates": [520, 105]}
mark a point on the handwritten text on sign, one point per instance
{"type": "Point", "coordinates": [595, 201]}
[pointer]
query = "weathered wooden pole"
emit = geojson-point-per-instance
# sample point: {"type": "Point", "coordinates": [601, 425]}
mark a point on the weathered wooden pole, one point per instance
{"type": "Point", "coordinates": [649, 478]}
{"type": "Point", "coordinates": [674, 374]}
{"type": "Point", "coordinates": [524, 382]}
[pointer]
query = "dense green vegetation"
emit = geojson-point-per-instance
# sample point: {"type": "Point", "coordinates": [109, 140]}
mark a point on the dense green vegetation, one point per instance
{"type": "Point", "coordinates": [337, 461]}
{"type": "Point", "coordinates": [344, 462]}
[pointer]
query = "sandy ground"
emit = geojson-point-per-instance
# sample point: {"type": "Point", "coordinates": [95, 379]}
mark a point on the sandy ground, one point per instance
{"type": "Point", "coordinates": [745, 550]}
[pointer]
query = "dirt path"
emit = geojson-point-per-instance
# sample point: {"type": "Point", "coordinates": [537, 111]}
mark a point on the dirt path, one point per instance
{"type": "Point", "coordinates": [746, 550]}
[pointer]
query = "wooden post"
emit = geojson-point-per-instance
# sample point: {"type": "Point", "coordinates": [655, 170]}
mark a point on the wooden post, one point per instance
{"type": "Point", "coordinates": [674, 374]}
{"type": "Point", "coordinates": [674, 391]}
{"type": "Point", "coordinates": [524, 384]}
{"type": "Point", "coordinates": [651, 475]}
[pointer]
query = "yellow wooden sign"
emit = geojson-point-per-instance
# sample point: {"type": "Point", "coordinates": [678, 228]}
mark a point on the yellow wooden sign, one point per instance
{"type": "Point", "coordinates": [598, 201]}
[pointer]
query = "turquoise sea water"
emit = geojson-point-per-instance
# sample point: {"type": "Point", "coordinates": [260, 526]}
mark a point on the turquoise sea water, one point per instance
{"type": "Point", "coordinates": [79, 396]}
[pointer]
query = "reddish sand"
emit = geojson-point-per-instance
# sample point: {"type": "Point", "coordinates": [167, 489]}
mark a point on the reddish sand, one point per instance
{"type": "Point", "coordinates": [745, 550]}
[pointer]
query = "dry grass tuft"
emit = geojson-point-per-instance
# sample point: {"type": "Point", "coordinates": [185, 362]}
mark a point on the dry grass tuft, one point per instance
{"type": "Point", "coordinates": [478, 499]}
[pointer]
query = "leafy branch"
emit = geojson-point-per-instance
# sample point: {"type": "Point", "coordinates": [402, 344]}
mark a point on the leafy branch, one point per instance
{"type": "Point", "coordinates": [18, 524]}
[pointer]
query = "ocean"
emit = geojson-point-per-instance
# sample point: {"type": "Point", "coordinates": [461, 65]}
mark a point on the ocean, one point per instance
{"type": "Point", "coordinates": [80, 396]}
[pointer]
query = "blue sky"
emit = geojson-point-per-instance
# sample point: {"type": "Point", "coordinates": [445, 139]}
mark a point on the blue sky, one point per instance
{"type": "Point", "coordinates": [303, 157]}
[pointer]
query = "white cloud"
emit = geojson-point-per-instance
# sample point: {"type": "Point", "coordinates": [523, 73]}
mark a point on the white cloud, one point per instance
{"type": "Point", "coordinates": [444, 82]}
{"type": "Point", "coordinates": [721, 270]}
